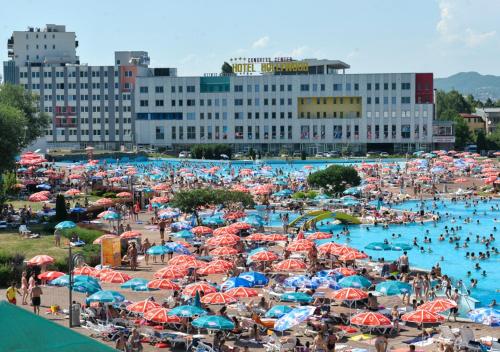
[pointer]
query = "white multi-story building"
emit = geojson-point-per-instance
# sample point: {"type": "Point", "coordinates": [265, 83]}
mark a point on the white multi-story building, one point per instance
{"type": "Point", "coordinates": [322, 109]}
{"type": "Point", "coordinates": [88, 105]}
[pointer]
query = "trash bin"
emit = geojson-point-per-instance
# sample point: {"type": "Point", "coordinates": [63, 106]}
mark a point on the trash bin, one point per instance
{"type": "Point", "coordinates": [75, 314]}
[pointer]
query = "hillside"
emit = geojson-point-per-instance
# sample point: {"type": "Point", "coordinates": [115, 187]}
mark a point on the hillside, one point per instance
{"type": "Point", "coordinates": [480, 86]}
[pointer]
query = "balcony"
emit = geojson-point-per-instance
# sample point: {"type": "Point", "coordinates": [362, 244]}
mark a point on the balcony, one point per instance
{"type": "Point", "coordinates": [10, 43]}
{"type": "Point", "coordinates": [10, 53]}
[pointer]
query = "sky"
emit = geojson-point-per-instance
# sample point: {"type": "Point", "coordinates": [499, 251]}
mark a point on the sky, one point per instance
{"type": "Point", "coordinates": [197, 36]}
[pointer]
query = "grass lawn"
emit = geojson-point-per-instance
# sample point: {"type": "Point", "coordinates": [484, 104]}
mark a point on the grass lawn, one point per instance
{"type": "Point", "coordinates": [12, 243]}
{"type": "Point", "coordinates": [36, 206]}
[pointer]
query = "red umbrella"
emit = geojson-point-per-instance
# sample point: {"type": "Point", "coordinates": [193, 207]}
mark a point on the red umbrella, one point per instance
{"type": "Point", "coordinates": [41, 260]}
{"type": "Point", "coordinates": [223, 251]}
{"type": "Point", "coordinates": [235, 215]}
{"type": "Point", "coordinates": [345, 271]}
{"type": "Point", "coordinates": [161, 187]}
{"type": "Point", "coordinates": [171, 272]}
{"type": "Point", "coordinates": [218, 298]}
{"type": "Point", "coordinates": [181, 259]}
{"type": "Point", "coordinates": [131, 234]}
{"type": "Point", "coordinates": [195, 264]}
{"type": "Point", "coordinates": [50, 275]}
{"type": "Point", "coordinates": [225, 230]}
{"type": "Point", "coordinates": [349, 294]}
{"type": "Point", "coordinates": [422, 316]}
{"type": "Point", "coordinates": [438, 305]}
{"type": "Point", "coordinates": [264, 256]}
{"type": "Point", "coordinates": [159, 315]}
{"type": "Point", "coordinates": [201, 230]}
{"type": "Point", "coordinates": [348, 329]}
{"type": "Point", "coordinates": [329, 247]}
{"type": "Point", "coordinates": [163, 284]}
{"type": "Point", "coordinates": [105, 202]}
{"type": "Point", "coordinates": [256, 237]}
{"type": "Point", "coordinates": [101, 272]}
{"type": "Point", "coordinates": [300, 246]}
{"type": "Point", "coordinates": [124, 195]}
{"type": "Point", "coordinates": [38, 197]}
{"type": "Point", "coordinates": [352, 255]}
{"type": "Point", "coordinates": [275, 237]}
{"type": "Point", "coordinates": [226, 240]}
{"type": "Point", "coordinates": [159, 200]}
{"type": "Point", "coordinates": [211, 269]}
{"type": "Point", "coordinates": [242, 292]}
{"type": "Point", "coordinates": [241, 226]}
{"type": "Point", "coordinates": [290, 265]}
{"type": "Point", "coordinates": [72, 192]}
{"type": "Point", "coordinates": [115, 277]}
{"type": "Point", "coordinates": [319, 236]}
{"type": "Point", "coordinates": [84, 270]}
{"type": "Point", "coordinates": [142, 306]}
{"type": "Point", "coordinates": [370, 319]}
{"type": "Point", "coordinates": [224, 263]}
{"type": "Point", "coordinates": [202, 287]}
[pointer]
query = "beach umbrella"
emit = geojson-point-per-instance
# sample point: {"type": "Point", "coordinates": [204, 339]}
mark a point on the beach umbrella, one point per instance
{"type": "Point", "coordinates": [299, 297]}
{"type": "Point", "coordinates": [275, 237]}
{"type": "Point", "coordinates": [181, 259]}
{"type": "Point", "coordinates": [225, 230]}
{"type": "Point", "coordinates": [255, 278]}
{"type": "Point", "coordinates": [84, 270]}
{"type": "Point", "coordinates": [218, 298]}
{"type": "Point", "coordinates": [106, 297]}
{"type": "Point", "coordinates": [86, 287]}
{"type": "Point", "coordinates": [348, 294]}
{"type": "Point", "coordinates": [137, 281]}
{"type": "Point", "coordinates": [353, 255]}
{"type": "Point", "coordinates": [233, 282]}
{"type": "Point", "coordinates": [163, 284]}
{"type": "Point", "coordinates": [254, 220]}
{"type": "Point", "coordinates": [212, 269]}
{"type": "Point", "coordinates": [438, 305]}
{"type": "Point", "coordinates": [142, 288]}
{"type": "Point", "coordinates": [201, 230]}
{"type": "Point", "coordinates": [486, 316]}
{"type": "Point", "coordinates": [278, 311]}
{"type": "Point", "coordinates": [289, 265]}
{"type": "Point", "coordinates": [104, 202]}
{"type": "Point", "coordinates": [356, 281]}
{"type": "Point", "coordinates": [77, 210]}
{"type": "Point", "coordinates": [142, 306]}
{"type": "Point", "coordinates": [378, 246]}
{"type": "Point", "coordinates": [40, 260]}
{"type": "Point", "coordinates": [174, 247]}
{"type": "Point", "coordinates": [293, 318]}
{"type": "Point", "coordinates": [300, 246]}
{"type": "Point", "coordinates": [370, 319]}
{"type": "Point", "coordinates": [202, 287]}
{"type": "Point", "coordinates": [72, 192]}
{"type": "Point", "coordinates": [50, 275]}
{"type": "Point", "coordinates": [213, 322]}
{"type": "Point", "coordinates": [183, 234]}
{"type": "Point", "coordinates": [130, 234]}
{"type": "Point", "coordinates": [242, 292]}
{"type": "Point", "coordinates": [421, 317]}
{"type": "Point", "coordinates": [115, 277]}
{"type": "Point", "coordinates": [124, 195]}
{"type": "Point", "coordinates": [186, 311]}
{"type": "Point", "coordinates": [319, 236]}
{"type": "Point", "coordinates": [391, 288]}
{"type": "Point", "coordinates": [160, 315]}
{"type": "Point", "coordinates": [157, 250]}
{"type": "Point", "coordinates": [171, 272]}
{"type": "Point", "coordinates": [112, 216]}
{"type": "Point", "coordinates": [264, 256]}
{"type": "Point", "coordinates": [221, 241]}
{"type": "Point", "coordinates": [65, 225]}
{"type": "Point", "coordinates": [345, 271]}
{"type": "Point", "coordinates": [224, 251]}
{"type": "Point", "coordinates": [256, 237]}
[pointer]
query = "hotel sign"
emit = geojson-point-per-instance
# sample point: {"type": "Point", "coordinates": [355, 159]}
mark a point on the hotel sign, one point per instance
{"type": "Point", "coordinates": [251, 65]}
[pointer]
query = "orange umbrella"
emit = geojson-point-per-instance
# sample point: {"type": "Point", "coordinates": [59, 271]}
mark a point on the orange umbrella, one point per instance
{"type": "Point", "coordinates": [275, 237]}
{"type": "Point", "coordinates": [159, 200]}
{"type": "Point", "coordinates": [163, 284]}
{"type": "Point", "coordinates": [242, 292]}
{"type": "Point", "coordinates": [84, 270]}
{"type": "Point", "coordinates": [161, 187]}
{"type": "Point", "coordinates": [41, 260]}
{"type": "Point", "coordinates": [50, 275]}
{"type": "Point", "coordinates": [422, 316]}
{"type": "Point", "coordinates": [115, 277]}
{"type": "Point", "coordinates": [124, 195]}
{"type": "Point", "coordinates": [171, 272]}
{"type": "Point", "coordinates": [181, 259]}
{"type": "Point", "coordinates": [195, 264]}
{"type": "Point", "coordinates": [300, 246]}
{"type": "Point", "coordinates": [241, 226]}
{"type": "Point", "coordinates": [224, 263]}
{"type": "Point", "coordinates": [438, 305]}
{"type": "Point", "coordinates": [159, 315]}
{"type": "Point", "coordinates": [218, 298]}
{"type": "Point", "coordinates": [264, 256]}
{"type": "Point", "coordinates": [370, 319]}
{"type": "Point", "coordinates": [202, 287]}
{"type": "Point", "coordinates": [225, 230]}
{"type": "Point", "coordinates": [37, 197]}
{"type": "Point", "coordinates": [352, 255]}
{"type": "Point", "coordinates": [105, 202]}
{"type": "Point", "coordinates": [142, 306]}
{"type": "Point", "coordinates": [72, 192]}
{"type": "Point", "coordinates": [201, 230]}
{"type": "Point", "coordinates": [290, 265]}
{"type": "Point", "coordinates": [345, 271]}
{"type": "Point", "coordinates": [211, 269]}
{"type": "Point", "coordinates": [348, 294]}
{"type": "Point", "coordinates": [131, 234]}
{"type": "Point", "coordinates": [225, 240]}
{"type": "Point", "coordinates": [319, 236]}
{"type": "Point", "coordinates": [223, 251]}
{"type": "Point", "coordinates": [256, 237]}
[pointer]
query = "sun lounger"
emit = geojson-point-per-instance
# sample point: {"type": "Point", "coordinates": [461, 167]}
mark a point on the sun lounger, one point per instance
{"type": "Point", "coordinates": [24, 231]}
{"type": "Point", "coordinates": [467, 340]}
{"type": "Point", "coordinates": [446, 335]}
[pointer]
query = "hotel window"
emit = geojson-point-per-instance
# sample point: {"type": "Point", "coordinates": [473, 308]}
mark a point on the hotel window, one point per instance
{"type": "Point", "coordinates": [191, 116]}
{"type": "Point", "coordinates": [282, 101]}
{"type": "Point", "coordinates": [405, 131]}
{"type": "Point", "coordinates": [368, 100]}
{"type": "Point", "coordinates": [393, 100]}
{"type": "Point", "coordinates": [337, 87]}
{"type": "Point", "coordinates": [224, 115]}
{"type": "Point", "coordinates": [273, 115]}
{"type": "Point", "coordinates": [238, 115]}
{"type": "Point", "coordinates": [289, 101]}
{"type": "Point", "coordinates": [289, 88]}
{"type": "Point", "coordinates": [209, 132]}
{"type": "Point", "coordinates": [282, 132]}
{"type": "Point", "coordinates": [143, 102]}
{"type": "Point", "coordinates": [202, 102]}
{"type": "Point", "coordinates": [217, 132]}
{"type": "Point", "coordinates": [393, 113]}
{"type": "Point", "coordinates": [202, 115]}
{"type": "Point", "coordinates": [322, 87]}
{"type": "Point", "coordinates": [224, 132]}
{"type": "Point", "coordinates": [377, 86]}
{"type": "Point", "coordinates": [238, 102]}
{"type": "Point", "coordinates": [377, 131]}
{"type": "Point", "coordinates": [238, 88]}
{"type": "Point", "coordinates": [238, 132]}
{"type": "Point", "coordinates": [290, 130]}
{"type": "Point", "coordinates": [224, 102]}
{"type": "Point", "coordinates": [273, 101]}
{"type": "Point", "coordinates": [368, 114]}
{"type": "Point", "coordinates": [368, 86]}
{"type": "Point", "coordinates": [377, 100]}
{"type": "Point", "coordinates": [181, 132]}
{"type": "Point", "coordinates": [405, 100]}
{"type": "Point", "coordinates": [369, 132]}
{"type": "Point", "coordinates": [209, 102]}
{"type": "Point", "coordinates": [159, 102]}
{"type": "Point", "coordinates": [257, 132]}
{"type": "Point", "coordinates": [405, 86]}
{"type": "Point", "coordinates": [191, 132]}
{"type": "Point", "coordinates": [337, 131]}
{"type": "Point", "coordinates": [257, 102]}
{"type": "Point", "coordinates": [266, 132]}
{"type": "Point", "coordinates": [160, 133]}
{"type": "Point", "coordinates": [315, 87]}
{"type": "Point", "coordinates": [257, 115]}
{"type": "Point", "coordinates": [282, 87]}
{"type": "Point", "coordinates": [180, 91]}
{"type": "Point", "coordinates": [209, 116]}
{"type": "Point", "coordinates": [282, 115]}
{"type": "Point", "coordinates": [249, 116]}
{"type": "Point", "coordinates": [348, 86]}
{"type": "Point", "coordinates": [217, 116]}
{"type": "Point", "coordinates": [273, 132]}
{"type": "Point", "coordinates": [249, 132]}
{"type": "Point", "coordinates": [266, 115]}
{"type": "Point", "coordinates": [174, 135]}
{"type": "Point", "coordinates": [143, 89]}
{"type": "Point", "coordinates": [249, 87]}
{"type": "Point", "coordinates": [304, 132]}
{"type": "Point", "coordinates": [158, 89]}
{"type": "Point", "coordinates": [348, 131]}
{"type": "Point", "coordinates": [386, 100]}
{"type": "Point", "coordinates": [202, 132]}
{"type": "Point", "coordinates": [356, 86]}
{"type": "Point", "coordinates": [266, 87]}
{"type": "Point", "coordinates": [273, 88]}
{"type": "Point", "coordinates": [416, 131]}
{"type": "Point", "coordinates": [393, 86]}
{"type": "Point", "coordinates": [180, 102]}
{"type": "Point", "coordinates": [249, 102]}
{"type": "Point", "coordinates": [386, 86]}
{"type": "Point", "coordinates": [216, 101]}
{"type": "Point", "coordinates": [190, 89]}
{"type": "Point", "coordinates": [257, 88]}
{"type": "Point", "coordinates": [304, 87]}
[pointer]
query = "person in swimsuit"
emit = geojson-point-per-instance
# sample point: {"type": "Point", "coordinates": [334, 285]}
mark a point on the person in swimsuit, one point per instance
{"type": "Point", "coordinates": [36, 293]}
{"type": "Point", "coordinates": [24, 288]}
{"type": "Point", "coordinates": [381, 343]}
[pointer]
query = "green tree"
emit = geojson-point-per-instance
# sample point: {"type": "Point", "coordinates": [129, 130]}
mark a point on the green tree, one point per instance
{"type": "Point", "coordinates": [251, 153]}
{"type": "Point", "coordinates": [21, 122]}
{"type": "Point", "coordinates": [61, 213]}
{"type": "Point", "coordinates": [462, 132]}
{"type": "Point", "coordinates": [453, 101]}
{"type": "Point", "coordinates": [481, 142]}
{"type": "Point", "coordinates": [335, 178]}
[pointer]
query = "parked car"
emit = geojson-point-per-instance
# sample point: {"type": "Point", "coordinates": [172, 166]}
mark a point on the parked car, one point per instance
{"type": "Point", "coordinates": [384, 154]}
{"type": "Point", "coordinates": [184, 154]}
{"type": "Point", "coordinates": [297, 154]}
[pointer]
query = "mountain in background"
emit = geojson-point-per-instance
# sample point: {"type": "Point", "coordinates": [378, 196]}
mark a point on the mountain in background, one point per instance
{"type": "Point", "coordinates": [480, 86]}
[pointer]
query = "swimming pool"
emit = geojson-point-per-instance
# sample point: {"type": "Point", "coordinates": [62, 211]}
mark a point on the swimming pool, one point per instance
{"type": "Point", "coordinates": [454, 264]}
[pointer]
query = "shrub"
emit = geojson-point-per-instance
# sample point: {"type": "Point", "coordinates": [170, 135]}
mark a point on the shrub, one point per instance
{"type": "Point", "coordinates": [6, 275]}
{"type": "Point", "coordinates": [86, 235]}
{"type": "Point", "coordinates": [335, 178]}
{"type": "Point", "coordinates": [92, 254]}
{"type": "Point", "coordinates": [311, 194]}
{"type": "Point", "coordinates": [109, 195]}
{"type": "Point", "coordinates": [210, 151]}
{"type": "Point", "coordinates": [60, 265]}
{"type": "Point", "coordinates": [61, 213]}
{"type": "Point", "coordinates": [299, 195]}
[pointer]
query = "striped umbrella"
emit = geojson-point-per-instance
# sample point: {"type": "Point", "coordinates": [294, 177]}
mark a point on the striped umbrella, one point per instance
{"type": "Point", "coordinates": [50, 275]}
{"type": "Point", "coordinates": [422, 316]}
{"type": "Point", "coordinates": [142, 306]}
{"type": "Point", "coordinates": [212, 269]}
{"type": "Point", "coordinates": [289, 265]}
{"type": "Point", "coordinates": [218, 298]}
{"type": "Point", "coordinates": [225, 240]}
{"type": "Point", "coordinates": [115, 277]}
{"type": "Point", "coordinates": [348, 294]}
{"type": "Point", "coordinates": [163, 284]}
{"type": "Point", "coordinates": [131, 234]}
{"type": "Point", "coordinates": [204, 287]}
{"type": "Point", "coordinates": [438, 305]}
{"type": "Point", "coordinates": [171, 272]}
{"type": "Point", "coordinates": [41, 260]}
{"type": "Point", "coordinates": [370, 319]}
{"type": "Point", "coordinates": [294, 317]}
{"type": "Point", "coordinates": [242, 292]}
{"type": "Point", "coordinates": [224, 251]}
{"type": "Point", "coordinates": [201, 230]}
{"type": "Point", "coordinates": [181, 259]}
{"type": "Point", "coordinates": [84, 270]}
{"type": "Point", "coordinates": [264, 256]}
{"type": "Point", "coordinates": [300, 246]}
{"type": "Point", "coordinates": [275, 237]}
{"type": "Point", "coordinates": [160, 315]}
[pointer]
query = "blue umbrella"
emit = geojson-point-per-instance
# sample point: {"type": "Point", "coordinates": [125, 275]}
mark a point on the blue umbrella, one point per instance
{"type": "Point", "coordinates": [212, 220]}
{"type": "Point", "coordinates": [181, 225]}
{"type": "Point", "coordinates": [106, 297]}
{"type": "Point", "coordinates": [300, 297]}
{"type": "Point", "coordinates": [86, 287]}
{"type": "Point", "coordinates": [234, 282]}
{"type": "Point", "coordinates": [44, 187]}
{"type": "Point", "coordinates": [142, 288]}
{"type": "Point", "coordinates": [186, 311]}
{"type": "Point", "coordinates": [486, 316]}
{"type": "Point", "coordinates": [183, 234]}
{"type": "Point", "coordinates": [77, 210]}
{"type": "Point", "coordinates": [391, 288]}
{"type": "Point", "coordinates": [256, 278]}
{"type": "Point", "coordinates": [64, 280]}
{"type": "Point", "coordinates": [329, 273]}
{"type": "Point", "coordinates": [278, 311]}
{"type": "Point", "coordinates": [158, 250]}
{"type": "Point", "coordinates": [355, 281]}
{"type": "Point", "coordinates": [295, 317]}
{"type": "Point", "coordinates": [176, 247]}
{"type": "Point", "coordinates": [134, 282]}
{"type": "Point", "coordinates": [65, 225]}
{"type": "Point", "coordinates": [213, 322]}
{"type": "Point", "coordinates": [112, 216]}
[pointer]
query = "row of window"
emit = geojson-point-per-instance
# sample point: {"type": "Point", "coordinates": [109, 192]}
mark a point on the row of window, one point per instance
{"type": "Point", "coordinates": [85, 132]}
{"type": "Point", "coordinates": [94, 109]}
{"type": "Point", "coordinates": [61, 74]}
{"type": "Point", "coordinates": [71, 86]}
{"type": "Point", "coordinates": [286, 132]}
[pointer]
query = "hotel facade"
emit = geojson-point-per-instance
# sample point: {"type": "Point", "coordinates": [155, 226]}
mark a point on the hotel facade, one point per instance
{"type": "Point", "coordinates": [307, 105]}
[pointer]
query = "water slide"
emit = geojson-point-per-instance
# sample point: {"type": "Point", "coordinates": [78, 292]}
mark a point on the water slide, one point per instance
{"type": "Point", "coordinates": [311, 216]}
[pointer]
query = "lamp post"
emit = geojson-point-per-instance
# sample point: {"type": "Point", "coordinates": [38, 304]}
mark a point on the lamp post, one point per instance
{"type": "Point", "coordinates": [73, 261]}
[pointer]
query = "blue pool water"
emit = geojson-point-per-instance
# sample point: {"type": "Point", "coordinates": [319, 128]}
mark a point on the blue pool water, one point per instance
{"type": "Point", "coordinates": [454, 264]}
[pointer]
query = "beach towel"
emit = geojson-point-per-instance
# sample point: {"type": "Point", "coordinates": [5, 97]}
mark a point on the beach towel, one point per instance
{"type": "Point", "coordinates": [417, 339]}
{"type": "Point", "coordinates": [361, 337]}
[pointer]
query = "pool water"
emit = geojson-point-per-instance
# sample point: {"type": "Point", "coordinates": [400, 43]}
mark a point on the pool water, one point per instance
{"type": "Point", "coordinates": [454, 264]}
